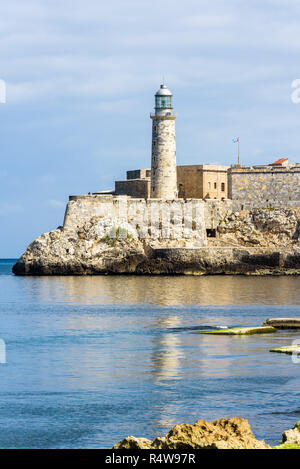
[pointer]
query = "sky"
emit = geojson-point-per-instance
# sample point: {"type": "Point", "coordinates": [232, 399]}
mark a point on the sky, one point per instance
{"type": "Point", "coordinates": [80, 82]}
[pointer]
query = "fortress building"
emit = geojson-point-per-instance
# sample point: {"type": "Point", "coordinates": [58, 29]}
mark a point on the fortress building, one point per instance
{"type": "Point", "coordinates": [272, 185]}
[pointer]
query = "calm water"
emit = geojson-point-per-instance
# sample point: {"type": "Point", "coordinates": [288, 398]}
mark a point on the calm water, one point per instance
{"type": "Point", "coordinates": [91, 360]}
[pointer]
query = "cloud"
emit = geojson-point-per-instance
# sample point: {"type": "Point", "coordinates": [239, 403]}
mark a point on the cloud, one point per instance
{"type": "Point", "coordinates": [81, 76]}
{"type": "Point", "coordinates": [92, 51]}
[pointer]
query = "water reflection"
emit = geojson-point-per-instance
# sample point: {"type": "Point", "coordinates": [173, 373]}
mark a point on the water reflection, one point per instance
{"type": "Point", "coordinates": [166, 352]}
{"type": "Point", "coordinates": [166, 290]}
{"type": "Point", "coordinates": [97, 358]}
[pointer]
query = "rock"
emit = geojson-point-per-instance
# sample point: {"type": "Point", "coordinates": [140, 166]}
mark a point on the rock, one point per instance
{"type": "Point", "coordinates": [233, 433]}
{"type": "Point", "coordinates": [283, 323]}
{"type": "Point", "coordinates": [133, 443]}
{"type": "Point", "coordinates": [90, 250]}
{"type": "Point", "coordinates": [263, 227]}
{"type": "Point", "coordinates": [290, 350]}
{"type": "Point", "coordinates": [241, 331]}
{"type": "Point", "coordinates": [292, 436]}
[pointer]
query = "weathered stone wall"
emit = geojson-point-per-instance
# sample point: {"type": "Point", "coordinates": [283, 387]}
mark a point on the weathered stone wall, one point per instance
{"type": "Point", "coordinates": [138, 174]}
{"type": "Point", "coordinates": [265, 186]}
{"type": "Point", "coordinates": [163, 163]}
{"type": "Point", "coordinates": [133, 187]}
{"type": "Point", "coordinates": [153, 218]}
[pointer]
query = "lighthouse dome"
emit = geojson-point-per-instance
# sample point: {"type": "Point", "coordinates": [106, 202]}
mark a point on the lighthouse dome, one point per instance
{"type": "Point", "coordinates": [163, 91]}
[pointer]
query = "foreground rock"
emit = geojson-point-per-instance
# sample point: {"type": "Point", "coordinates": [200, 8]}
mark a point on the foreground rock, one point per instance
{"type": "Point", "coordinates": [289, 350]}
{"type": "Point", "coordinates": [233, 433]}
{"type": "Point", "coordinates": [283, 323]}
{"type": "Point", "coordinates": [241, 331]}
{"type": "Point", "coordinates": [290, 438]}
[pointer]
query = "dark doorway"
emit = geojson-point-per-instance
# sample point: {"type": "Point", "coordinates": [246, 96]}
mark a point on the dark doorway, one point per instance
{"type": "Point", "coordinates": [211, 233]}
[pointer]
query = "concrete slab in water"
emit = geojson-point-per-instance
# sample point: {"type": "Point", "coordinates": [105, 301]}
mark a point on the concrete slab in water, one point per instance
{"type": "Point", "coordinates": [289, 349]}
{"type": "Point", "coordinates": [241, 331]}
{"type": "Point", "coordinates": [283, 323]}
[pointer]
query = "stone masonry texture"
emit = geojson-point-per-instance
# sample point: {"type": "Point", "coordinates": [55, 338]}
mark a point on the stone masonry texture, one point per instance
{"type": "Point", "coordinates": [265, 186]}
{"type": "Point", "coordinates": [163, 165]}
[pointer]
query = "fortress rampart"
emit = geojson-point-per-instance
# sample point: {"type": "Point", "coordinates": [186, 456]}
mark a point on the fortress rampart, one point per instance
{"type": "Point", "coordinates": [265, 186]}
{"type": "Point", "coordinates": [151, 218]}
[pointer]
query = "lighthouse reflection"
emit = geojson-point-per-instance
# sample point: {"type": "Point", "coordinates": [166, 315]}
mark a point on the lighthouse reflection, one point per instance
{"type": "Point", "coordinates": [166, 352]}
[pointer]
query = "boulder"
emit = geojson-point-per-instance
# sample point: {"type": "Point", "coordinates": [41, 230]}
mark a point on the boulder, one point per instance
{"type": "Point", "coordinates": [131, 442]}
{"type": "Point", "coordinates": [292, 436]}
{"type": "Point", "coordinates": [232, 433]}
{"type": "Point", "coordinates": [283, 323]}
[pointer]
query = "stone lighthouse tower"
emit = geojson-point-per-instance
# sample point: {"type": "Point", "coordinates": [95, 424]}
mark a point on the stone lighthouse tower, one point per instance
{"type": "Point", "coordinates": [163, 161]}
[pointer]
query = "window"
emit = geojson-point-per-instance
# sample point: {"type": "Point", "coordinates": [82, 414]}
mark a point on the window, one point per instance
{"type": "Point", "coordinates": [162, 102]}
{"type": "Point", "coordinates": [215, 185]}
{"type": "Point", "coordinates": [223, 186]}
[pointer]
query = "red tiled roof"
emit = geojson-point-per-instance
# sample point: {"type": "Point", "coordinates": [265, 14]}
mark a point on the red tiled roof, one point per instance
{"type": "Point", "coordinates": [279, 162]}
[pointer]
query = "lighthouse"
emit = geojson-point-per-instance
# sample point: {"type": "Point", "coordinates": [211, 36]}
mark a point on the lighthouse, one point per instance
{"type": "Point", "coordinates": [163, 160]}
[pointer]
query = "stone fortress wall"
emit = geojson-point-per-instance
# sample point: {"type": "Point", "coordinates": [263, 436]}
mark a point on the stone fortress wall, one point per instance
{"type": "Point", "coordinates": [265, 186]}
{"type": "Point", "coordinates": [153, 218]}
{"type": "Point", "coordinates": [136, 184]}
{"type": "Point", "coordinates": [139, 188]}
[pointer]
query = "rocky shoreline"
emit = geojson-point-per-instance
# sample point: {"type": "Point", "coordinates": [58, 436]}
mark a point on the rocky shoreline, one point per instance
{"type": "Point", "coordinates": [232, 433]}
{"type": "Point", "coordinates": [44, 257]}
{"type": "Point", "coordinates": [257, 242]}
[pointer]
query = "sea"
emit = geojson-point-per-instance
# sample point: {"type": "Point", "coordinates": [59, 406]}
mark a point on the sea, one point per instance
{"type": "Point", "coordinates": [88, 360]}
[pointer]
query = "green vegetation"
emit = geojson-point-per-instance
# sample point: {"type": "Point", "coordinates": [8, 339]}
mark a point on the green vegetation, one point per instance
{"type": "Point", "coordinates": [286, 446]}
{"type": "Point", "coordinates": [115, 235]}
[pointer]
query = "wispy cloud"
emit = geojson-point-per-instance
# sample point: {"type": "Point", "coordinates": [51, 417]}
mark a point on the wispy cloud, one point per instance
{"type": "Point", "coordinates": [51, 50]}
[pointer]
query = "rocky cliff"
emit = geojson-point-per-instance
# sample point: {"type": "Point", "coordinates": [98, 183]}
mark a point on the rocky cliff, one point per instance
{"type": "Point", "coordinates": [257, 242]}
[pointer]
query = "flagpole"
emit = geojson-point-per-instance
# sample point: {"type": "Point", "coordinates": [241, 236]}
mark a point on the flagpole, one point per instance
{"type": "Point", "coordinates": [239, 151]}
